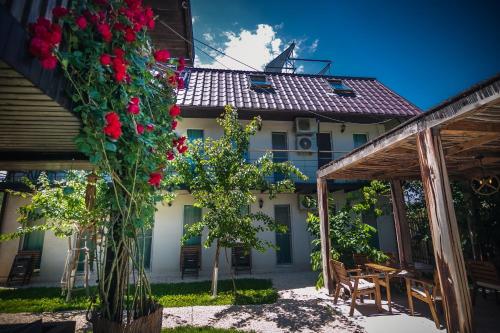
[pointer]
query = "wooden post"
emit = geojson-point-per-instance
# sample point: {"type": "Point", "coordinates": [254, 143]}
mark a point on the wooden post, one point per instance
{"type": "Point", "coordinates": [401, 224]}
{"type": "Point", "coordinates": [444, 230]}
{"type": "Point", "coordinates": [324, 233]}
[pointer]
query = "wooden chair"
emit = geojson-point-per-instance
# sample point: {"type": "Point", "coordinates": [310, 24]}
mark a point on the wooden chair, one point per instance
{"type": "Point", "coordinates": [484, 275]}
{"type": "Point", "coordinates": [360, 260]}
{"type": "Point", "coordinates": [24, 265]}
{"type": "Point", "coordinates": [426, 291]}
{"type": "Point", "coordinates": [357, 285]}
{"type": "Point", "coordinates": [190, 260]}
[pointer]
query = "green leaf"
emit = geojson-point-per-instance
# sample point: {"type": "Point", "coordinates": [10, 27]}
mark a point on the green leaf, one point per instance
{"type": "Point", "coordinates": [110, 146]}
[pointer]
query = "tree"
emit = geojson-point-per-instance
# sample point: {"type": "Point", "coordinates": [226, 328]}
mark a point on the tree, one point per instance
{"type": "Point", "coordinates": [348, 233]}
{"type": "Point", "coordinates": [71, 208]}
{"type": "Point", "coordinates": [223, 182]}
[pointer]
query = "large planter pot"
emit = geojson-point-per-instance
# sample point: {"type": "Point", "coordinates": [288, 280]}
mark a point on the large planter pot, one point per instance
{"type": "Point", "coordinates": [150, 323]}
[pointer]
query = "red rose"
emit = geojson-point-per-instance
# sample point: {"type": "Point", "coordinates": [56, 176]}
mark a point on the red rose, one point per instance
{"type": "Point", "coordinates": [174, 124]}
{"type": "Point", "coordinates": [39, 48]}
{"type": "Point", "coordinates": [81, 22]}
{"type": "Point", "coordinates": [175, 110]}
{"type": "Point", "coordinates": [105, 59]}
{"type": "Point", "coordinates": [119, 53]}
{"type": "Point", "coordinates": [161, 55]}
{"type": "Point", "coordinates": [135, 100]}
{"type": "Point", "coordinates": [133, 109]}
{"type": "Point", "coordinates": [181, 65]}
{"type": "Point", "coordinates": [129, 35]}
{"type": "Point", "coordinates": [56, 35]}
{"type": "Point", "coordinates": [113, 126]}
{"type": "Point", "coordinates": [180, 83]}
{"type": "Point", "coordinates": [49, 62]}
{"type": "Point", "coordinates": [172, 79]}
{"type": "Point", "coordinates": [155, 179]}
{"type": "Point", "coordinates": [140, 128]}
{"type": "Point", "coordinates": [119, 76]}
{"type": "Point", "coordinates": [105, 32]}
{"type": "Point", "coordinates": [151, 24]}
{"type": "Point", "coordinates": [170, 155]}
{"type": "Point", "coordinates": [59, 11]}
{"type": "Point", "coordinates": [182, 149]}
{"type": "Point", "coordinates": [119, 27]}
{"type": "Point", "coordinates": [150, 127]}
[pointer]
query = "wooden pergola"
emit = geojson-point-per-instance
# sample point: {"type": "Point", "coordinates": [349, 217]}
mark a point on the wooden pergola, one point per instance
{"type": "Point", "coordinates": [458, 139]}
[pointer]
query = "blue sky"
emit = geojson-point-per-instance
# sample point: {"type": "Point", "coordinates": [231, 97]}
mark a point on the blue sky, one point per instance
{"type": "Point", "coordinates": [424, 50]}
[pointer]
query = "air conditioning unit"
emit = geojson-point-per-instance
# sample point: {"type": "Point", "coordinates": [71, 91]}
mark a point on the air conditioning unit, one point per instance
{"type": "Point", "coordinates": [307, 201]}
{"type": "Point", "coordinates": [306, 143]}
{"type": "Point", "coordinates": [306, 125]}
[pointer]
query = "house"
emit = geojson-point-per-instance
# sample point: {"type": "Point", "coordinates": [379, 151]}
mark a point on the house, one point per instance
{"type": "Point", "coordinates": [307, 119]}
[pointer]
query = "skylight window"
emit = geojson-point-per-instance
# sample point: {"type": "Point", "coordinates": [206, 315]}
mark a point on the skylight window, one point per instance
{"type": "Point", "coordinates": [259, 81]}
{"type": "Point", "coordinates": [339, 87]}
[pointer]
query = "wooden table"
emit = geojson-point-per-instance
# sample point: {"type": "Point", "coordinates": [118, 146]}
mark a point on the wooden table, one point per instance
{"type": "Point", "coordinates": [387, 272]}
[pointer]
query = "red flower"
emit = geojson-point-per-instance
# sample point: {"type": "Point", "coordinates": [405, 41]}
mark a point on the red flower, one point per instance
{"type": "Point", "coordinates": [155, 179]}
{"type": "Point", "coordinates": [180, 83]}
{"type": "Point", "coordinates": [175, 110]}
{"type": "Point", "coordinates": [140, 128]}
{"type": "Point", "coordinates": [170, 155]}
{"type": "Point", "coordinates": [81, 22]}
{"type": "Point", "coordinates": [161, 55]}
{"type": "Point", "coordinates": [129, 35]}
{"type": "Point", "coordinates": [182, 149]}
{"type": "Point", "coordinates": [119, 26]}
{"type": "Point", "coordinates": [105, 32]}
{"type": "Point", "coordinates": [56, 35]}
{"type": "Point", "coordinates": [39, 48]}
{"type": "Point", "coordinates": [113, 126]}
{"type": "Point", "coordinates": [105, 59]}
{"type": "Point", "coordinates": [172, 80]}
{"type": "Point", "coordinates": [60, 11]}
{"type": "Point", "coordinates": [119, 53]}
{"type": "Point", "coordinates": [151, 24]}
{"type": "Point", "coordinates": [181, 65]}
{"type": "Point", "coordinates": [49, 62]}
{"type": "Point", "coordinates": [133, 106]}
{"type": "Point", "coordinates": [150, 127]}
{"type": "Point", "coordinates": [174, 124]}
{"type": "Point", "coordinates": [119, 76]}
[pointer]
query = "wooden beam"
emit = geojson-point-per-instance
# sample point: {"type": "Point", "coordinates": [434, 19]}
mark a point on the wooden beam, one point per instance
{"type": "Point", "coordinates": [472, 143]}
{"type": "Point", "coordinates": [324, 228]}
{"type": "Point", "coordinates": [401, 224]}
{"type": "Point", "coordinates": [467, 125]}
{"type": "Point", "coordinates": [444, 230]}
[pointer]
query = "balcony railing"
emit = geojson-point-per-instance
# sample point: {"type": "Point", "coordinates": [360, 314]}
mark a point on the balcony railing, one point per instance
{"type": "Point", "coordinates": [307, 162]}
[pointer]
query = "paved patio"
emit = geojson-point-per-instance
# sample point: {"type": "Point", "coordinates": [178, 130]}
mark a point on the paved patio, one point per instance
{"type": "Point", "coordinates": [301, 308]}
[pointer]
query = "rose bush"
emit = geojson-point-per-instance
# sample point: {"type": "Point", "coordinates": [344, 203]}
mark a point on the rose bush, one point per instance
{"type": "Point", "coordinates": [124, 92]}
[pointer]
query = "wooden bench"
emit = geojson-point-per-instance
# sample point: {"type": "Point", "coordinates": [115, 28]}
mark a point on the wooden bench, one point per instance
{"type": "Point", "coordinates": [23, 266]}
{"type": "Point", "coordinates": [190, 260]}
{"type": "Point", "coordinates": [425, 291]}
{"type": "Point", "coordinates": [241, 259]}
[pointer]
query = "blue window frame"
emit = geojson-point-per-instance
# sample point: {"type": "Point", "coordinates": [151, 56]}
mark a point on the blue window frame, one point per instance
{"type": "Point", "coordinates": [259, 81]}
{"type": "Point", "coordinates": [339, 87]}
{"type": "Point", "coordinates": [359, 139]}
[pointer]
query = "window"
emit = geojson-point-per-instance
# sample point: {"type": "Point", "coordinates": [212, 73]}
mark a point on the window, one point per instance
{"type": "Point", "coordinates": [339, 87]}
{"type": "Point", "coordinates": [280, 150]}
{"type": "Point", "coordinates": [192, 215]}
{"type": "Point", "coordinates": [260, 82]}
{"type": "Point", "coordinates": [193, 134]}
{"type": "Point", "coordinates": [359, 139]}
{"type": "Point", "coordinates": [283, 240]}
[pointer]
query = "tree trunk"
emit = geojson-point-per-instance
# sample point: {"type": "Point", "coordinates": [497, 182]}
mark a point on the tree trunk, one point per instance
{"type": "Point", "coordinates": [215, 273]}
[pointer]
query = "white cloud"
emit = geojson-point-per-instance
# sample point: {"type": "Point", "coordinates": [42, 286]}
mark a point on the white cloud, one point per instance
{"type": "Point", "coordinates": [255, 48]}
{"type": "Point", "coordinates": [314, 46]}
{"type": "Point", "coordinates": [208, 37]}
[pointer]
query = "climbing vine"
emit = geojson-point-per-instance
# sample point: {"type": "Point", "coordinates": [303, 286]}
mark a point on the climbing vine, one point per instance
{"type": "Point", "coordinates": [124, 92]}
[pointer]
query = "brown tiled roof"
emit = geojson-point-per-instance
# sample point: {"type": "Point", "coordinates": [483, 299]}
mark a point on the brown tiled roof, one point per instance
{"type": "Point", "coordinates": [291, 93]}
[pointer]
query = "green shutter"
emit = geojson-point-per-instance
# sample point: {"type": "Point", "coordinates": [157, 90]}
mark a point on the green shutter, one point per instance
{"type": "Point", "coordinates": [283, 240]}
{"type": "Point", "coordinates": [359, 139]}
{"type": "Point", "coordinates": [192, 215]}
{"type": "Point", "coordinates": [194, 134]}
{"type": "Point", "coordinates": [145, 241]}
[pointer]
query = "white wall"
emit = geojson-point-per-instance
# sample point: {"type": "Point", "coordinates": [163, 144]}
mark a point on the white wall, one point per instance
{"type": "Point", "coordinates": [8, 249]}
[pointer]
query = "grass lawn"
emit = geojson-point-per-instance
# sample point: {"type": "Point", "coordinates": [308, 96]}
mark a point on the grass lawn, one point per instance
{"type": "Point", "coordinates": [250, 291]}
{"type": "Point", "coordinates": [192, 329]}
